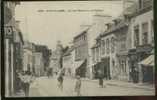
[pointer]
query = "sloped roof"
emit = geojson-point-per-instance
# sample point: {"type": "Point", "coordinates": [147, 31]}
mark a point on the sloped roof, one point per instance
{"type": "Point", "coordinates": [82, 32]}
{"type": "Point", "coordinates": [68, 51]}
{"type": "Point", "coordinates": [115, 27]}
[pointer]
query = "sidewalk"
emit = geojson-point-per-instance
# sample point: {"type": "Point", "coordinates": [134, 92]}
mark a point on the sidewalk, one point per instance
{"type": "Point", "coordinates": [125, 84]}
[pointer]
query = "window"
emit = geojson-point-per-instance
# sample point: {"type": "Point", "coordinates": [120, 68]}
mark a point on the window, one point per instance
{"type": "Point", "coordinates": [103, 46]}
{"type": "Point", "coordinates": [152, 30]}
{"type": "Point", "coordinates": [93, 53]}
{"type": "Point", "coordinates": [107, 46]}
{"type": "Point", "coordinates": [97, 54]}
{"type": "Point", "coordinates": [145, 33]}
{"type": "Point", "coordinates": [123, 66]}
{"type": "Point", "coordinates": [136, 35]}
{"type": "Point", "coordinates": [112, 44]}
{"type": "Point", "coordinates": [147, 3]}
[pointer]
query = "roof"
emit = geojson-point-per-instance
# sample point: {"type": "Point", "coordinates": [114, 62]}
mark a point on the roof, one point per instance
{"type": "Point", "coordinates": [82, 32]}
{"type": "Point", "coordinates": [114, 27]}
{"type": "Point", "coordinates": [68, 51]}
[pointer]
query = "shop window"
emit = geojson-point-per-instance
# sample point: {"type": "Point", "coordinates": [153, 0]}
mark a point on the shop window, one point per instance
{"type": "Point", "coordinates": [145, 33]}
{"type": "Point", "coordinates": [136, 35]}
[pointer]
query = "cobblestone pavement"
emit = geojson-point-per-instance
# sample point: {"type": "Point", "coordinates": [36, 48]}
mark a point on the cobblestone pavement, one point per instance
{"type": "Point", "coordinates": [48, 87]}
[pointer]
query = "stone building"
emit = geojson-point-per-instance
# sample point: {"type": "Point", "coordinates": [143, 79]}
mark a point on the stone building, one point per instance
{"type": "Point", "coordinates": [98, 26]}
{"type": "Point", "coordinates": [81, 52]}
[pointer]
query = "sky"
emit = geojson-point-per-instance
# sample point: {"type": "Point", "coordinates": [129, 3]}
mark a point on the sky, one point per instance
{"type": "Point", "coordinates": [47, 22]}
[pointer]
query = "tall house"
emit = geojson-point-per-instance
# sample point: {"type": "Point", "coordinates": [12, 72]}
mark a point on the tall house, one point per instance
{"type": "Point", "coordinates": [142, 40]}
{"type": "Point", "coordinates": [81, 51]}
{"type": "Point", "coordinates": [80, 43]}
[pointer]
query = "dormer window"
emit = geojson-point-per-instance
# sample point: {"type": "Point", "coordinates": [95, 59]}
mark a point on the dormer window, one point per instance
{"type": "Point", "coordinates": [108, 26]}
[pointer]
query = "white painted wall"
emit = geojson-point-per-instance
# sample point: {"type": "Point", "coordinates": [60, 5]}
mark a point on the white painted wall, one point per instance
{"type": "Point", "coordinates": [139, 20]}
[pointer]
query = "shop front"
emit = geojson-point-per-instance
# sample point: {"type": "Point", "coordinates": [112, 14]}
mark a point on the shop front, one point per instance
{"type": "Point", "coordinates": [135, 56]}
{"type": "Point", "coordinates": [105, 67]}
{"type": "Point", "coordinates": [123, 69]}
{"type": "Point", "coordinates": [81, 70]}
{"type": "Point", "coordinates": [147, 67]}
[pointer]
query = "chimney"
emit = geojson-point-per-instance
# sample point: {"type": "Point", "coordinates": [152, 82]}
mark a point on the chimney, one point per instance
{"type": "Point", "coordinates": [116, 21]}
{"type": "Point", "coordinates": [108, 26]}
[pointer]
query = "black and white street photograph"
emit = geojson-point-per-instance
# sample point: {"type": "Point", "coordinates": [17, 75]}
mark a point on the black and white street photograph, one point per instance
{"type": "Point", "coordinates": [79, 48]}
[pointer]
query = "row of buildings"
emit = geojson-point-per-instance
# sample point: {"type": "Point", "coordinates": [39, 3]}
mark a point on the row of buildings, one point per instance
{"type": "Point", "coordinates": [120, 48]}
{"type": "Point", "coordinates": [20, 54]}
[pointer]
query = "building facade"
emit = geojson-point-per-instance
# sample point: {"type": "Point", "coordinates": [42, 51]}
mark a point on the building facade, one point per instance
{"type": "Point", "coordinates": [13, 49]}
{"type": "Point", "coordinates": [98, 27]}
{"type": "Point", "coordinates": [142, 41]}
{"type": "Point", "coordinates": [81, 52]}
{"type": "Point", "coordinates": [28, 62]}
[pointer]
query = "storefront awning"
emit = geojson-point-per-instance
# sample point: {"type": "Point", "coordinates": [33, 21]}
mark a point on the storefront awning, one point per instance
{"type": "Point", "coordinates": [149, 61]}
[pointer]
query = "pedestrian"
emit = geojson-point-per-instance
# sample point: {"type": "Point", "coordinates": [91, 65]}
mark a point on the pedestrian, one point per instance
{"type": "Point", "coordinates": [100, 79]}
{"type": "Point", "coordinates": [60, 82]}
{"type": "Point", "coordinates": [78, 85]}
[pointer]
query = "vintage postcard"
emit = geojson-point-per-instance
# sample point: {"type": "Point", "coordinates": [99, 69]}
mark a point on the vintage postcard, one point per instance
{"type": "Point", "coordinates": [79, 48]}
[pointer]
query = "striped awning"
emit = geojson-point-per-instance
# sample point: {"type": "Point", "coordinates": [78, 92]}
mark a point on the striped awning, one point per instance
{"type": "Point", "coordinates": [149, 61]}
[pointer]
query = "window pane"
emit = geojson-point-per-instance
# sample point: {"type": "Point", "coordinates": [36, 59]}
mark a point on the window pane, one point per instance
{"type": "Point", "coordinates": [136, 35]}
{"type": "Point", "coordinates": [145, 33]}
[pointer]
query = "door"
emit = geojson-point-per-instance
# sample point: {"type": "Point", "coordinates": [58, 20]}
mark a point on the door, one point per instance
{"type": "Point", "coordinates": [106, 67]}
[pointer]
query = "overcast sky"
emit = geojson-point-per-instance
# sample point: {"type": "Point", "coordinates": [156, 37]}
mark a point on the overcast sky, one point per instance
{"type": "Point", "coordinates": [44, 23]}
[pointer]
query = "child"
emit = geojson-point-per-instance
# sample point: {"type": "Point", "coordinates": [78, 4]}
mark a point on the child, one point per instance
{"type": "Point", "coordinates": [78, 86]}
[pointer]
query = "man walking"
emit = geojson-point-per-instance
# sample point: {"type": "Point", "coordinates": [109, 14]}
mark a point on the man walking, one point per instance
{"type": "Point", "coordinates": [60, 81]}
{"type": "Point", "coordinates": [100, 79]}
{"type": "Point", "coordinates": [78, 86]}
